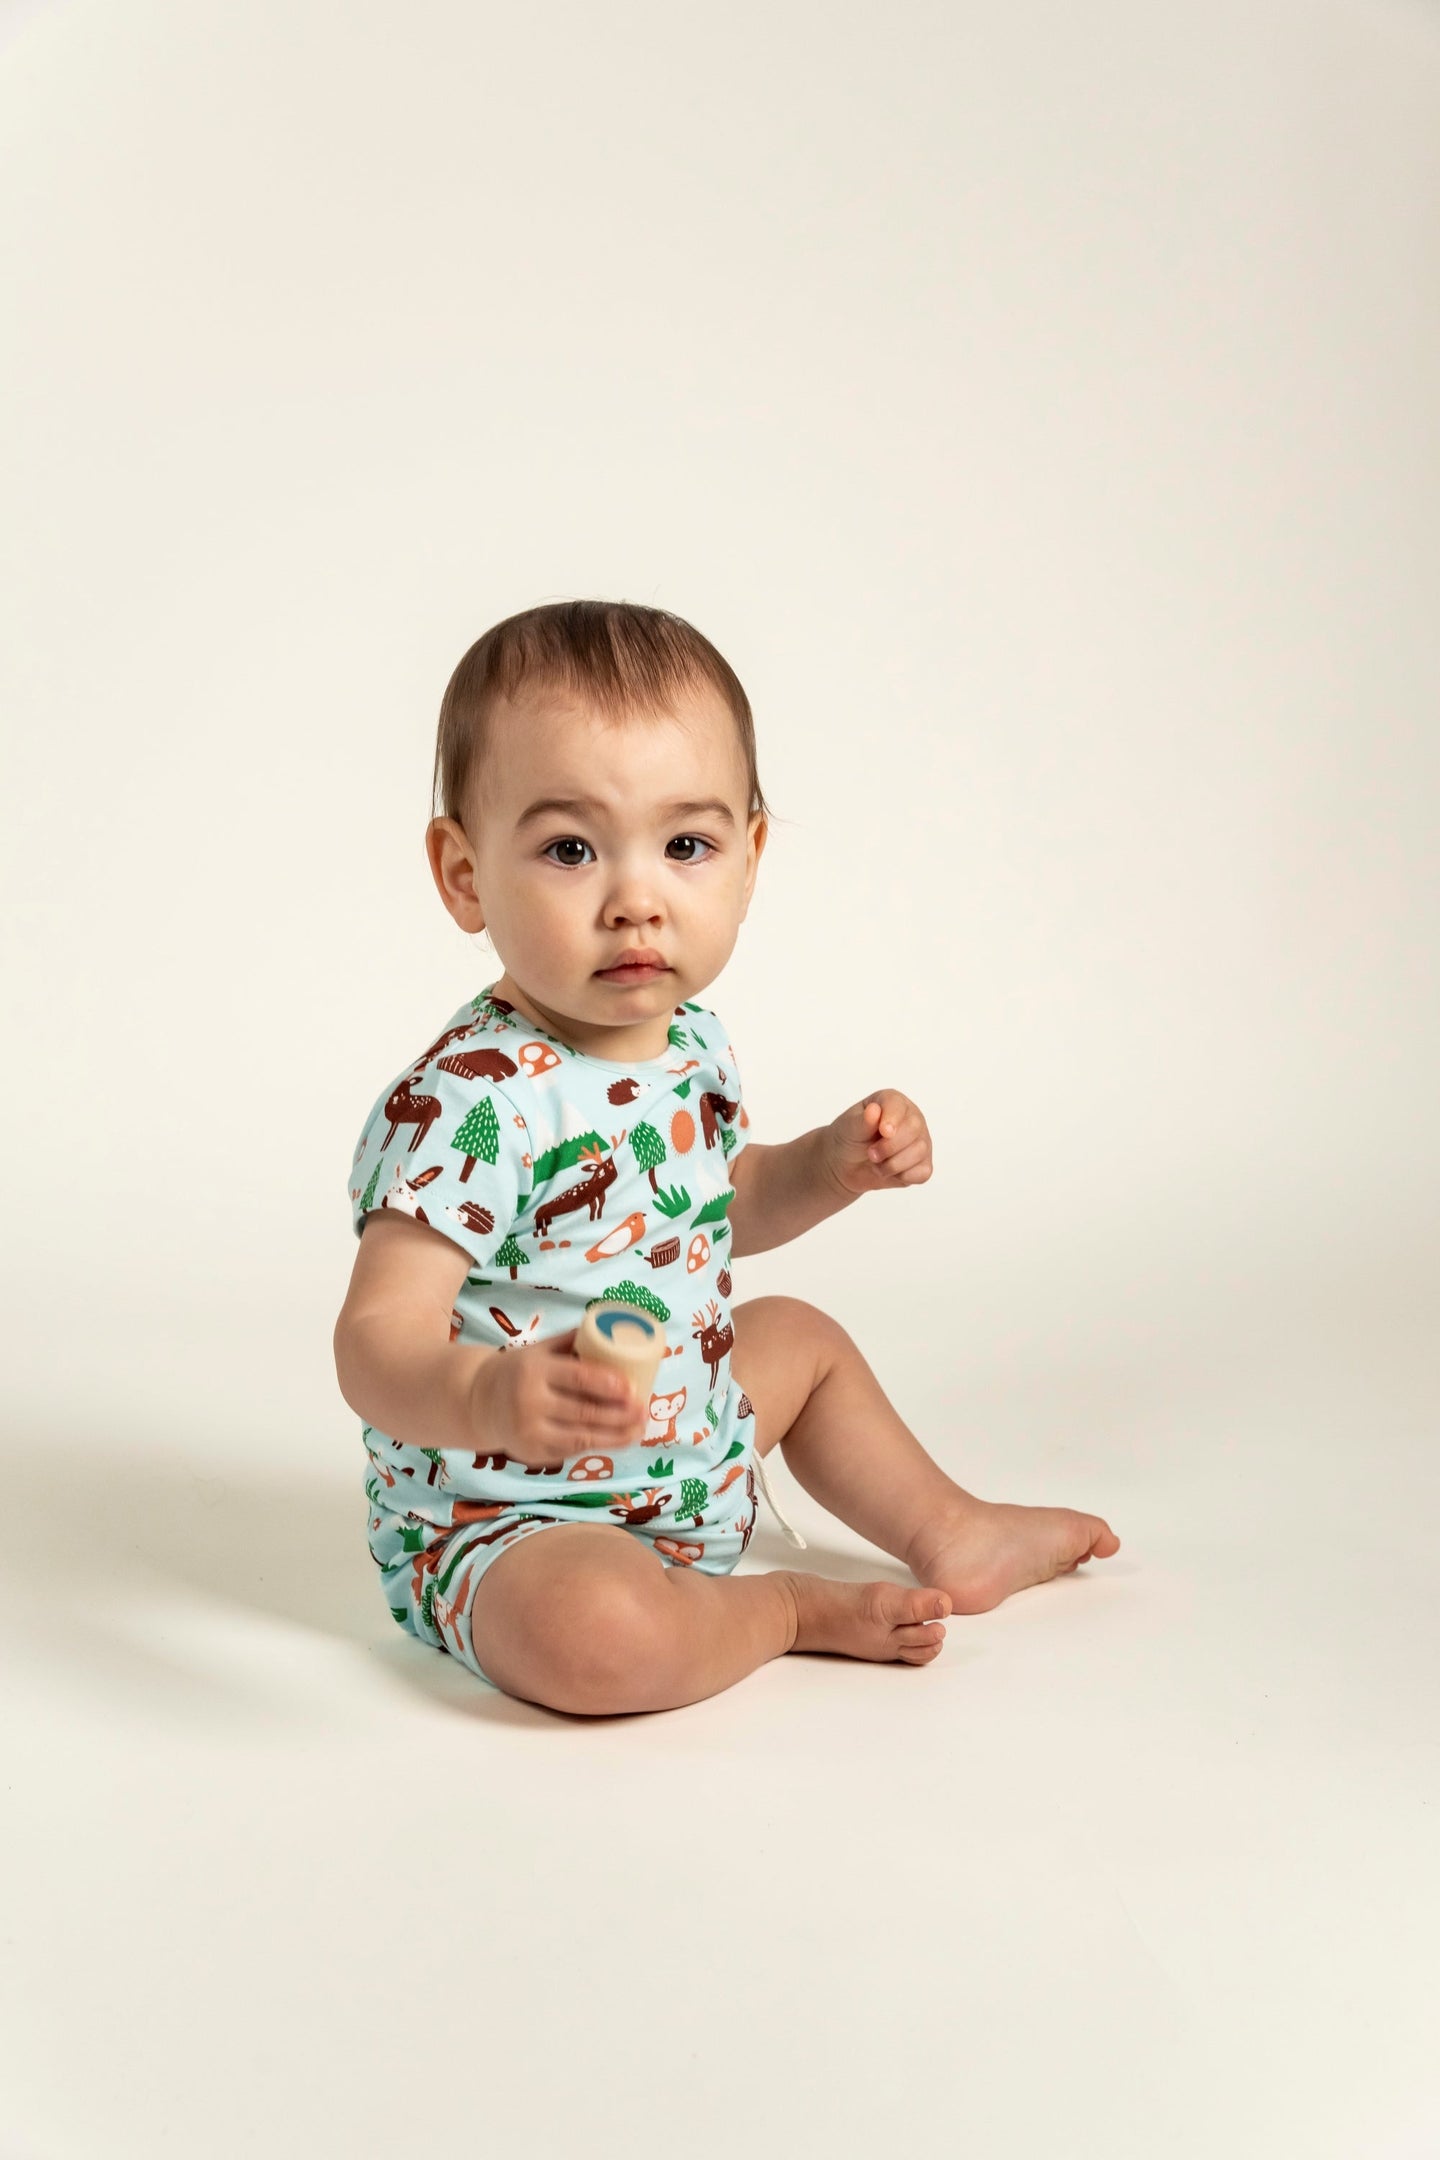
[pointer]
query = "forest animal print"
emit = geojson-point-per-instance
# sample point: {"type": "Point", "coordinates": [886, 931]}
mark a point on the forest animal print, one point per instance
{"type": "Point", "coordinates": [566, 1179]}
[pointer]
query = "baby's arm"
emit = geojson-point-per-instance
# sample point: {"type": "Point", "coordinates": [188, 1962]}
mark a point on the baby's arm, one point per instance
{"type": "Point", "coordinates": [401, 1373]}
{"type": "Point", "coordinates": [396, 1365]}
{"type": "Point", "coordinates": [781, 1190]}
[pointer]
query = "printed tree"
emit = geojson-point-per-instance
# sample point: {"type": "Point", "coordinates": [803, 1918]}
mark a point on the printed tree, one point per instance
{"type": "Point", "coordinates": [368, 1198]}
{"type": "Point", "coordinates": [648, 1149]}
{"type": "Point", "coordinates": [510, 1256]}
{"type": "Point", "coordinates": [633, 1293]}
{"type": "Point", "coordinates": [479, 1136]}
{"type": "Point", "coordinates": [694, 1493]}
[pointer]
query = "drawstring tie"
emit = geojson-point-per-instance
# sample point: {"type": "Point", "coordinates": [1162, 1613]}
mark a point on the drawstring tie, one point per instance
{"type": "Point", "coordinates": [790, 1532]}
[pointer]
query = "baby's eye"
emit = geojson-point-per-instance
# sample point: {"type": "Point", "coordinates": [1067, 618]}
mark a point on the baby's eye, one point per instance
{"type": "Point", "coordinates": [570, 840]}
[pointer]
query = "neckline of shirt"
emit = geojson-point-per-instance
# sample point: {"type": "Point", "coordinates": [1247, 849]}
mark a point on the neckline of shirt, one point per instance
{"type": "Point", "coordinates": [638, 1065]}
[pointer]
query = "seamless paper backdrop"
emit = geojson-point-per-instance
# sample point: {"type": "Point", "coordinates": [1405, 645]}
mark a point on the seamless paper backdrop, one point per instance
{"type": "Point", "coordinates": [1037, 407]}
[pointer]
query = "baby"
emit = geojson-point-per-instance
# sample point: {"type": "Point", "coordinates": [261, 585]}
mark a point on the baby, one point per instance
{"type": "Point", "coordinates": [576, 1131]}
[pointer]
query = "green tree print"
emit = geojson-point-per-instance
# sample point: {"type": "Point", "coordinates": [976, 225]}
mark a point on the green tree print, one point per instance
{"type": "Point", "coordinates": [510, 1256]}
{"type": "Point", "coordinates": [648, 1149]}
{"type": "Point", "coordinates": [633, 1293]}
{"type": "Point", "coordinates": [478, 1138]}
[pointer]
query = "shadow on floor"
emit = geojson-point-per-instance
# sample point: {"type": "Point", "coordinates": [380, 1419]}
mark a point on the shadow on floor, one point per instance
{"type": "Point", "coordinates": [140, 1534]}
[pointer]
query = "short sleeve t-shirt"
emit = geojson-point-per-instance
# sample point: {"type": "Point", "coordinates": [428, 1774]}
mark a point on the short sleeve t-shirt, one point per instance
{"type": "Point", "coordinates": [566, 1179]}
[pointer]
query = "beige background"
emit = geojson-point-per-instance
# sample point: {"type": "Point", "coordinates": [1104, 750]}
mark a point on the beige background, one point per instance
{"type": "Point", "coordinates": [1037, 405]}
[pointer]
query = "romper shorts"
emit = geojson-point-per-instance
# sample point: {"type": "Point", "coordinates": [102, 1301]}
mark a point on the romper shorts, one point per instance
{"type": "Point", "coordinates": [429, 1573]}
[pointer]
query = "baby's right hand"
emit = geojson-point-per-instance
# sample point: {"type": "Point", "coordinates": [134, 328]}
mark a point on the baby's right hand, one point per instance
{"type": "Point", "coordinates": [542, 1404]}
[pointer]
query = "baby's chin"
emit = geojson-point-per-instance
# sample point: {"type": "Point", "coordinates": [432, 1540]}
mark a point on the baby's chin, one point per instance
{"type": "Point", "coordinates": [592, 1000]}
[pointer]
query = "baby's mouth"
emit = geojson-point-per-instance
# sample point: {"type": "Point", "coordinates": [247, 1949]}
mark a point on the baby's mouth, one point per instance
{"type": "Point", "coordinates": [631, 974]}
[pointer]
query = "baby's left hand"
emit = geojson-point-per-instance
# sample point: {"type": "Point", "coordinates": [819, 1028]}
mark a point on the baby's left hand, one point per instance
{"type": "Point", "coordinates": [878, 1144]}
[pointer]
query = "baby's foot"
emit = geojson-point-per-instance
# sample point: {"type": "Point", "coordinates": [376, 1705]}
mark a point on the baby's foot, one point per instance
{"type": "Point", "coordinates": [984, 1550]}
{"type": "Point", "coordinates": [881, 1620]}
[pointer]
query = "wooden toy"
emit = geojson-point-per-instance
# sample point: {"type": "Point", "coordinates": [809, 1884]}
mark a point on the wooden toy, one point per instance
{"type": "Point", "coordinates": [633, 1342]}
{"type": "Point", "coordinates": [622, 1336]}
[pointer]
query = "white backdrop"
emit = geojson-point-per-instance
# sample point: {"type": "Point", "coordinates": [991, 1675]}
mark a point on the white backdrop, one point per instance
{"type": "Point", "coordinates": [1036, 404]}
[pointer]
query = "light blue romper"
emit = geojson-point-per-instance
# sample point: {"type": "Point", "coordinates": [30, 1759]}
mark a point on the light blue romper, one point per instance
{"type": "Point", "coordinates": [566, 1179]}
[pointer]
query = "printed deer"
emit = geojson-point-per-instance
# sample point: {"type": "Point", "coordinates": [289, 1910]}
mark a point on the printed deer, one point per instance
{"type": "Point", "coordinates": [715, 1343]}
{"type": "Point", "coordinates": [600, 1174]}
{"type": "Point", "coordinates": [403, 1108]}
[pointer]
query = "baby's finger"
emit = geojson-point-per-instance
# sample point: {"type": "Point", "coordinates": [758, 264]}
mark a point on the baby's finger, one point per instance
{"type": "Point", "coordinates": [906, 1158]}
{"type": "Point", "coordinates": [591, 1389]}
{"type": "Point", "coordinates": [896, 1132]}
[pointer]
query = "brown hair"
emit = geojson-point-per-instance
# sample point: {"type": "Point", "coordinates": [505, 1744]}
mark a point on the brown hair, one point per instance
{"type": "Point", "coordinates": [622, 657]}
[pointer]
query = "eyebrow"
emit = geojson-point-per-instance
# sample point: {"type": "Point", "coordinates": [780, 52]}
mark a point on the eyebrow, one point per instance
{"type": "Point", "coordinates": [711, 806]}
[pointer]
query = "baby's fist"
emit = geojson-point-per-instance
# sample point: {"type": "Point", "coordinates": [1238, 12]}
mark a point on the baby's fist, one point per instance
{"type": "Point", "coordinates": [879, 1144]}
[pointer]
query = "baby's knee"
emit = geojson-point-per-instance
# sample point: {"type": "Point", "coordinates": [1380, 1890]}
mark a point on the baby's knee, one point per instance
{"type": "Point", "coordinates": [582, 1648]}
{"type": "Point", "coordinates": [796, 1326]}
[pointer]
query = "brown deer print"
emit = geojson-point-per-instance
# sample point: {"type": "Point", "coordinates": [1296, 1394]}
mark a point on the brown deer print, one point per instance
{"type": "Point", "coordinates": [642, 1507]}
{"type": "Point", "coordinates": [600, 1174]}
{"type": "Point", "coordinates": [710, 1104]}
{"type": "Point", "coordinates": [715, 1343]}
{"type": "Point", "coordinates": [403, 1108]}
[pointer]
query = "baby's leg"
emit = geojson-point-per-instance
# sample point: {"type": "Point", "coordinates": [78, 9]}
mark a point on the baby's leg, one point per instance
{"type": "Point", "coordinates": [586, 1617]}
{"type": "Point", "coordinates": [847, 1445]}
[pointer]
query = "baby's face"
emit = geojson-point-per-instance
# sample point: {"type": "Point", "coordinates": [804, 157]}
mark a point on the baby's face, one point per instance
{"type": "Point", "coordinates": [631, 863]}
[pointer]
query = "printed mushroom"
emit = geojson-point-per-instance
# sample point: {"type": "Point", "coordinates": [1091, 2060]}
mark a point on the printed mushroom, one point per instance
{"type": "Point", "coordinates": [590, 1468]}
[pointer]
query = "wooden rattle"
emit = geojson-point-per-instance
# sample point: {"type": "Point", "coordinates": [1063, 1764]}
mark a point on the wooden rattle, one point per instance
{"type": "Point", "coordinates": [627, 1339]}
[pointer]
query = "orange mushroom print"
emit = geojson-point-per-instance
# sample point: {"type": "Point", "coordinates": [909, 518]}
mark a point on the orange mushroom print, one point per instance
{"type": "Point", "coordinates": [564, 1180]}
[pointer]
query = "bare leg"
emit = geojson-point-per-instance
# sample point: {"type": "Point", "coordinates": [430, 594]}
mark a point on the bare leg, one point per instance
{"type": "Point", "coordinates": [849, 1448]}
{"type": "Point", "coordinates": [586, 1618]}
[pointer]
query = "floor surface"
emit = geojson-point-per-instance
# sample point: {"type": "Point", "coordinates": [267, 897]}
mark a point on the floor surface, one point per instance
{"type": "Point", "coordinates": [1144, 1864]}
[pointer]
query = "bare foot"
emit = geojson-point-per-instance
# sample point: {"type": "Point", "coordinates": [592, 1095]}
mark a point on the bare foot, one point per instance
{"type": "Point", "coordinates": [986, 1549]}
{"type": "Point", "coordinates": [881, 1620]}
